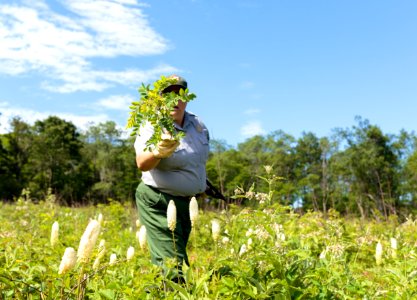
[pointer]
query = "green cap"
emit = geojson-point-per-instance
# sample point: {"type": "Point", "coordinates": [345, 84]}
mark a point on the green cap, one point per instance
{"type": "Point", "coordinates": [180, 82]}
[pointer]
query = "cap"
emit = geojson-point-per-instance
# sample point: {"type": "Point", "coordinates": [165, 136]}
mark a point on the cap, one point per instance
{"type": "Point", "coordinates": [180, 82]}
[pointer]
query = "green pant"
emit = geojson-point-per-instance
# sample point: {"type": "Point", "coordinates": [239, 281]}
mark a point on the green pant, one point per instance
{"type": "Point", "coordinates": [152, 207]}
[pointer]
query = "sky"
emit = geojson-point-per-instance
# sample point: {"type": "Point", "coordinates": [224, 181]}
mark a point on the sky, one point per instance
{"type": "Point", "coordinates": [256, 66]}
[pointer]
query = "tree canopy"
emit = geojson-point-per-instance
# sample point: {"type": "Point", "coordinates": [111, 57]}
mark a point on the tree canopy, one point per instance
{"type": "Point", "coordinates": [359, 170]}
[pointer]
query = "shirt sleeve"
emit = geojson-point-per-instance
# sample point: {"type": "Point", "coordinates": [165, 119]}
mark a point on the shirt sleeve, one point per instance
{"type": "Point", "coordinates": [145, 133]}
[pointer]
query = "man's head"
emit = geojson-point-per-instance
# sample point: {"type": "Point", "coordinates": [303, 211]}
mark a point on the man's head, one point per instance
{"type": "Point", "coordinates": [180, 83]}
{"type": "Point", "coordinates": [178, 110]}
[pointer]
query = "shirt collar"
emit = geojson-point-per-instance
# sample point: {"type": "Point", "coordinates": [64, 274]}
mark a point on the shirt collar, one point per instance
{"type": "Point", "coordinates": [187, 122]}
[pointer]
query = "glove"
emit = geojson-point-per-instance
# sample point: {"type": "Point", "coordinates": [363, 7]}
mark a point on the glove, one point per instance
{"type": "Point", "coordinates": [165, 147]}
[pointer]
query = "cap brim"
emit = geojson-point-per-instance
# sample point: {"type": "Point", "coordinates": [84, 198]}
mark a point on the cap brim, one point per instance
{"type": "Point", "coordinates": [173, 87]}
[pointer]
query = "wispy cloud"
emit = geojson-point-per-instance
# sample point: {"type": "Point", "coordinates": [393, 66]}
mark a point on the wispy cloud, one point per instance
{"type": "Point", "coordinates": [35, 38]}
{"type": "Point", "coordinates": [252, 128]}
{"type": "Point", "coordinates": [116, 102]}
{"type": "Point", "coordinates": [252, 111]}
{"type": "Point", "coordinates": [30, 116]}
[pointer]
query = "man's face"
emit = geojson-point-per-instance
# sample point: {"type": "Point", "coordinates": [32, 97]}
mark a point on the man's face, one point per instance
{"type": "Point", "coordinates": [179, 110]}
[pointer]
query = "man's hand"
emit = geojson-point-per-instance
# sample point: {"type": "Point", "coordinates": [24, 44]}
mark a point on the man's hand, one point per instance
{"type": "Point", "coordinates": [165, 147]}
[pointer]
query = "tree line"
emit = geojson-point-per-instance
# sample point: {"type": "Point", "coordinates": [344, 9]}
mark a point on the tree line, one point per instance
{"type": "Point", "coordinates": [355, 171]}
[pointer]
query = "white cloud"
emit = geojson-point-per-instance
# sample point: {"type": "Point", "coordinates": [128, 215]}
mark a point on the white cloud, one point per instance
{"type": "Point", "coordinates": [117, 102]}
{"type": "Point", "coordinates": [60, 46]}
{"type": "Point", "coordinates": [252, 111]}
{"type": "Point", "coordinates": [30, 116]}
{"type": "Point", "coordinates": [252, 128]}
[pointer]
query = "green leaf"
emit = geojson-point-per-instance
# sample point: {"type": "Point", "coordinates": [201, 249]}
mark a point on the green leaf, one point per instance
{"type": "Point", "coordinates": [108, 294]}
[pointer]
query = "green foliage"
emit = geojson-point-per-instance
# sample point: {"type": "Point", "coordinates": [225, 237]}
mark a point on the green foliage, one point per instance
{"type": "Point", "coordinates": [155, 107]}
{"type": "Point", "coordinates": [287, 256]}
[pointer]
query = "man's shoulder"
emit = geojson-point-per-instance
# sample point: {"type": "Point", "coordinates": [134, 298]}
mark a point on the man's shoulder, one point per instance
{"type": "Point", "coordinates": [198, 124]}
{"type": "Point", "coordinates": [196, 120]}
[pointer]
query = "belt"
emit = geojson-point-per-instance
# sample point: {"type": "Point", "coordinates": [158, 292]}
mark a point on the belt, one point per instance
{"type": "Point", "coordinates": [185, 198]}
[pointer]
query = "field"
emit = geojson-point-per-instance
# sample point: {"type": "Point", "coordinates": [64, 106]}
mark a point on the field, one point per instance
{"type": "Point", "coordinates": [261, 252]}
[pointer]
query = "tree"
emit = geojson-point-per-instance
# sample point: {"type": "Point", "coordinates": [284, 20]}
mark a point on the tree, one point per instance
{"type": "Point", "coordinates": [55, 160]}
{"type": "Point", "coordinates": [226, 168]}
{"type": "Point", "coordinates": [373, 169]}
{"type": "Point", "coordinates": [112, 161]}
{"type": "Point", "coordinates": [308, 170]}
{"type": "Point", "coordinates": [15, 147]}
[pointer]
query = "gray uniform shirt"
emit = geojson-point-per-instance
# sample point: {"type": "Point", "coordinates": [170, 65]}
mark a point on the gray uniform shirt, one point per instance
{"type": "Point", "coordinates": [184, 172]}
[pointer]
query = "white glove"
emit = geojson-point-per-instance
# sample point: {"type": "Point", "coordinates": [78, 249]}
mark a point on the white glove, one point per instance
{"type": "Point", "coordinates": [165, 147]}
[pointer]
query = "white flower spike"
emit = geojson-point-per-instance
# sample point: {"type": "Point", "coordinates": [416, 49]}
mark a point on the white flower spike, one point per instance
{"type": "Point", "coordinates": [55, 234]}
{"type": "Point", "coordinates": [88, 241]}
{"type": "Point", "coordinates": [68, 261]}
{"type": "Point", "coordinates": [215, 229]}
{"type": "Point", "coordinates": [113, 259]}
{"type": "Point", "coordinates": [130, 253]}
{"type": "Point", "coordinates": [142, 237]}
{"type": "Point", "coordinates": [193, 211]}
{"type": "Point", "coordinates": [172, 215]}
{"type": "Point", "coordinates": [378, 253]}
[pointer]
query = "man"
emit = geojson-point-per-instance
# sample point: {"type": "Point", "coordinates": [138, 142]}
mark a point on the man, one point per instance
{"type": "Point", "coordinates": [172, 170]}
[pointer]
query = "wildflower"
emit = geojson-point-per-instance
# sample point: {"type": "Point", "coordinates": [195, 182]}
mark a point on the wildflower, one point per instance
{"type": "Point", "coordinates": [378, 253]}
{"type": "Point", "coordinates": [261, 197]}
{"type": "Point", "coordinates": [250, 195]}
{"type": "Point", "coordinates": [141, 235]}
{"type": "Point", "coordinates": [225, 240]}
{"type": "Point", "coordinates": [68, 261]}
{"type": "Point", "coordinates": [101, 245]}
{"type": "Point", "coordinates": [113, 259]}
{"type": "Point", "coordinates": [336, 250]}
{"type": "Point", "coordinates": [239, 191]}
{"type": "Point", "coordinates": [138, 223]}
{"type": "Point", "coordinates": [172, 215]}
{"type": "Point", "coordinates": [96, 263]}
{"type": "Point", "coordinates": [249, 232]}
{"type": "Point", "coordinates": [100, 218]}
{"type": "Point", "coordinates": [215, 229]}
{"type": "Point", "coordinates": [278, 228]}
{"type": "Point", "coordinates": [101, 251]}
{"type": "Point", "coordinates": [268, 169]}
{"type": "Point", "coordinates": [394, 247]}
{"type": "Point", "coordinates": [88, 241]}
{"type": "Point", "coordinates": [243, 250]}
{"type": "Point", "coordinates": [193, 211]}
{"type": "Point", "coordinates": [54, 234]}
{"type": "Point", "coordinates": [323, 254]}
{"type": "Point", "coordinates": [130, 253]}
{"type": "Point", "coordinates": [261, 233]}
{"type": "Point", "coordinates": [250, 242]}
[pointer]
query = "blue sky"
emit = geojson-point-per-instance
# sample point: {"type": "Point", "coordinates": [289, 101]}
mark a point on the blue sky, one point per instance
{"type": "Point", "coordinates": [255, 66]}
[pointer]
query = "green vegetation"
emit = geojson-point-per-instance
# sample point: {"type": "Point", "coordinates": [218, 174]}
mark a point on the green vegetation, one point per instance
{"type": "Point", "coordinates": [261, 251]}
